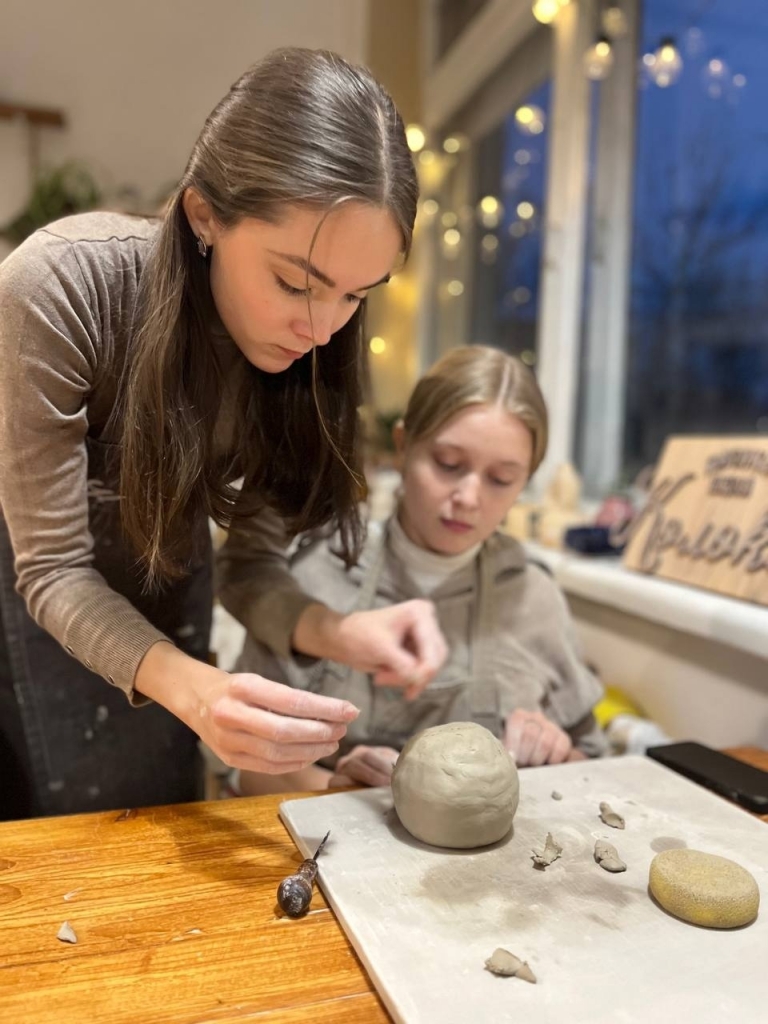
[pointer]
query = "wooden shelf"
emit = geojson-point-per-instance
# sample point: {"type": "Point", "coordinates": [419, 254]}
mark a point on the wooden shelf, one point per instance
{"type": "Point", "coordinates": [33, 115]}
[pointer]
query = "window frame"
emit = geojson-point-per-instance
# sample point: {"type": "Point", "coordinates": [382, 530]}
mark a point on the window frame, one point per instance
{"type": "Point", "coordinates": [569, 324]}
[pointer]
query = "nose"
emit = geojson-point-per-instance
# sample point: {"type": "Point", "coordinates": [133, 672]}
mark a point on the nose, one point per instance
{"type": "Point", "coordinates": [320, 329]}
{"type": "Point", "coordinates": [467, 493]}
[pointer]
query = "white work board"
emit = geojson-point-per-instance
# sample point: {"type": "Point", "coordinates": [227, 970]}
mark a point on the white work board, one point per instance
{"type": "Point", "coordinates": [424, 920]}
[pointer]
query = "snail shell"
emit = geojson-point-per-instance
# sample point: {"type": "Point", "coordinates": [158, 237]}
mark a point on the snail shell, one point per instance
{"type": "Point", "coordinates": [294, 895]}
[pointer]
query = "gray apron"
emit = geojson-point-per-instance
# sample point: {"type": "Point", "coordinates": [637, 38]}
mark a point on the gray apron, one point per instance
{"type": "Point", "coordinates": [463, 693]}
{"type": "Point", "coordinates": [69, 741]}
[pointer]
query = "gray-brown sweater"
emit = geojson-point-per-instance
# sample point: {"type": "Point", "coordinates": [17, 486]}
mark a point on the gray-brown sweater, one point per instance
{"type": "Point", "coordinates": [67, 305]}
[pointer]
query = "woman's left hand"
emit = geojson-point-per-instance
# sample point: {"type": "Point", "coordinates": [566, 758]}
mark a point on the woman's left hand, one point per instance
{"type": "Point", "coordinates": [370, 766]}
{"type": "Point", "coordinates": [535, 740]}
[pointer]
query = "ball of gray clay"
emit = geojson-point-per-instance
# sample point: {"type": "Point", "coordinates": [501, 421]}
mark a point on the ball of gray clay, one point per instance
{"type": "Point", "coordinates": [455, 785]}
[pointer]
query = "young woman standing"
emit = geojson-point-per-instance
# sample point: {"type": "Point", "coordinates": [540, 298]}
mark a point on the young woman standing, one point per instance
{"type": "Point", "coordinates": [146, 368]}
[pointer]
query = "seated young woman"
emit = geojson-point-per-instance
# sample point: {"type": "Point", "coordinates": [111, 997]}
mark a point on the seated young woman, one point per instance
{"type": "Point", "coordinates": [474, 432]}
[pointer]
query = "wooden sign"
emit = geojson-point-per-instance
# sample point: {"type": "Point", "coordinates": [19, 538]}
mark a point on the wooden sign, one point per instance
{"type": "Point", "coordinates": [706, 521]}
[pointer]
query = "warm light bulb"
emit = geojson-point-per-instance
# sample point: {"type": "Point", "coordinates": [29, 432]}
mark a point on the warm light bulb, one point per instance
{"type": "Point", "coordinates": [454, 288]}
{"type": "Point", "coordinates": [490, 212]}
{"type": "Point", "coordinates": [430, 207]}
{"type": "Point", "coordinates": [545, 11]}
{"type": "Point", "coordinates": [598, 60]}
{"type": "Point", "coordinates": [454, 143]}
{"type": "Point", "coordinates": [377, 346]}
{"type": "Point", "coordinates": [525, 211]}
{"type": "Point", "coordinates": [667, 64]}
{"type": "Point", "coordinates": [530, 120]}
{"type": "Point", "coordinates": [452, 237]}
{"type": "Point", "coordinates": [415, 137]}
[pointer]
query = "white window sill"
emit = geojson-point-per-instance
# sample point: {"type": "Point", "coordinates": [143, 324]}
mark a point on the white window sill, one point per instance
{"type": "Point", "coordinates": [699, 612]}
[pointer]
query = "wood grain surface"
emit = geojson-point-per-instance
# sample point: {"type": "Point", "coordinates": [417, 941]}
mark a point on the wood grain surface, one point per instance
{"type": "Point", "coordinates": [175, 914]}
{"type": "Point", "coordinates": [174, 910]}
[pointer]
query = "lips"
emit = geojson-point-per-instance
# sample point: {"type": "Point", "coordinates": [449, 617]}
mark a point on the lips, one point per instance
{"type": "Point", "coordinates": [456, 526]}
{"type": "Point", "coordinates": [291, 353]}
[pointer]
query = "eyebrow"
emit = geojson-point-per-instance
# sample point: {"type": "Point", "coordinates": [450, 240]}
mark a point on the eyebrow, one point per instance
{"type": "Point", "coordinates": [313, 271]}
{"type": "Point", "coordinates": [507, 464]}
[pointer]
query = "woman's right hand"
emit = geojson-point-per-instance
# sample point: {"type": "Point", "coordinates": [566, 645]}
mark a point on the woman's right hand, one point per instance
{"type": "Point", "coordinates": [247, 721]}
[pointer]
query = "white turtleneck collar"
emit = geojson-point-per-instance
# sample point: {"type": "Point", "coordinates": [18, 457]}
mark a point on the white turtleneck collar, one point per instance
{"type": "Point", "coordinates": [427, 569]}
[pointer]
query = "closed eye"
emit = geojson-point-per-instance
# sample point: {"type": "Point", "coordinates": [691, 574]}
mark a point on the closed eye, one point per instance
{"type": "Point", "coordinates": [289, 289]}
{"type": "Point", "coordinates": [304, 292]}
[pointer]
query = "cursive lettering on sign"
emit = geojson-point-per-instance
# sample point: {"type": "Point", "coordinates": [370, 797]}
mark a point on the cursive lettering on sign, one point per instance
{"type": "Point", "coordinates": [711, 543]}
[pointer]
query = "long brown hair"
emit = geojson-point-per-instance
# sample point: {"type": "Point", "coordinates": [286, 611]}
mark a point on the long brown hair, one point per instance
{"type": "Point", "coordinates": [477, 375]}
{"type": "Point", "coordinates": [304, 128]}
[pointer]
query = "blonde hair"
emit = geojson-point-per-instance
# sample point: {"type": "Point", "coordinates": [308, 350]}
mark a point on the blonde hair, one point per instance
{"type": "Point", "coordinates": [477, 375]}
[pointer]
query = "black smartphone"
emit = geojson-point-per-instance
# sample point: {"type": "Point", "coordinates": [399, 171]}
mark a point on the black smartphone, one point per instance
{"type": "Point", "coordinates": [742, 783]}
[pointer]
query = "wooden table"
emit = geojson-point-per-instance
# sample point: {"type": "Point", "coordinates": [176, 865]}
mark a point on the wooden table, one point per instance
{"type": "Point", "coordinates": [174, 910]}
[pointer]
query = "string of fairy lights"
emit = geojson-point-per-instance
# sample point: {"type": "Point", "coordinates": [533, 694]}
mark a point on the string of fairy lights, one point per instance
{"type": "Point", "coordinates": [435, 157]}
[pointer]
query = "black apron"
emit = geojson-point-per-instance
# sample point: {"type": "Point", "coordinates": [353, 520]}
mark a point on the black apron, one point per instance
{"type": "Point", "coordinates": [69, 741]}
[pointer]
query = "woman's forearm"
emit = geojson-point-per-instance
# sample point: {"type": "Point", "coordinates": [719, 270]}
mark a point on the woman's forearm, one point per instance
{"type": "Point", "coordinates": [318, 633]}
{"type": "Point", "coordinates": [177, 681]}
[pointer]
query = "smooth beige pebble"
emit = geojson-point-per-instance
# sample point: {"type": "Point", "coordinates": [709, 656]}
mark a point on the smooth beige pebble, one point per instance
{"type": "Point", "coordinates": [704, 889]}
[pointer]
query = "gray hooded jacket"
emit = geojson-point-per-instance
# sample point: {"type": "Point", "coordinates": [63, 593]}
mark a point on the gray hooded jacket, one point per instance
{"type": "Point", "coordinates": [511, 639]}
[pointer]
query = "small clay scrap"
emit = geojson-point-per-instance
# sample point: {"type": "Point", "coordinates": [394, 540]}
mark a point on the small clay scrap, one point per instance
{"type": "Point", "coordinates": [607, 856]}
{"type": "Point", "coordinates": [556, 795]}
{"type": "Point", "coordinates": [66, 933]}
{"type": "Point", "coordinates": [546, 856]}
{"type": "Point", "coordinates": [507, 965]}
{"type": "Point", "coordinates": [609, 817]}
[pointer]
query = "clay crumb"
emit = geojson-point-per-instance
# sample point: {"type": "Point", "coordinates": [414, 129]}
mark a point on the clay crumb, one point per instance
{"type": "Point", "coordinates": [507, 965]}
{"type": "Point", "coordinates": [607, 856]}
{"type": "Point", "coordinates": [66, 933]}
{"type": "Point", "coordinates": [70, 895]}
{"type": "Point", "coordinates": [550, 852]}
{"type": "Point", "coordinates": [609, 817]}
{"type": "Point", "coordinates": [556, 795]}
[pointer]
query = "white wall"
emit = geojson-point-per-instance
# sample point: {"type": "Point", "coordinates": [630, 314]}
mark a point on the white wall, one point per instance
{"type": "Point", "coordinates": [136, 79]}
{"type": "Point", "coordinates": [694, 688]}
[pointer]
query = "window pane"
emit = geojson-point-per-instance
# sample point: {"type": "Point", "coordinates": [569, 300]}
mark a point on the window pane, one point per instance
{"type": "Point", "coordinates": [510, 170]}
{"type": "Point", "coordinates": [698, 346]}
